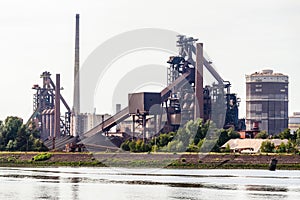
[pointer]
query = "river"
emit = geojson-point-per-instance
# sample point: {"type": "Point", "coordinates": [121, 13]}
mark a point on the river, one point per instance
{"type": "Point", "coordinates": [137, 184]}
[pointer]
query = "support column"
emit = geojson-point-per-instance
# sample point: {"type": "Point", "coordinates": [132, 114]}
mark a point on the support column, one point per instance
{"type": "Point", "coordinates": [199, 101]}
{"type": "Point", "coordinates": [133, 126]}
{"type": "Point", "coordinates": [57, 107]}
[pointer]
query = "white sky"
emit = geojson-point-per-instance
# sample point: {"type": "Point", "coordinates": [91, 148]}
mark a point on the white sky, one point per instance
{"type": "Point", "coordinates": [241, 37]}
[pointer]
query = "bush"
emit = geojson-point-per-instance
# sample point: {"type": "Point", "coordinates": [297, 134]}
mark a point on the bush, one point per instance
{"type": "Point", "coordinates": [281, 148]}
{"type": "Point", "coordinates": [267, 147]}
{"type": "Point", "coordinates": [192, 148]}
{"type": "Point", "coordinates": [132, 146]}
{"type": "Point", "coordinates": [262, 135]}
{"type": "Point", "coordinates": [227, 148]}
{"type": "Point", "coordinates": [42, 156]}
{"type": "Point", "coordinates": [125, 146]}
{"type": "Point", "coordinates": [154, 148]}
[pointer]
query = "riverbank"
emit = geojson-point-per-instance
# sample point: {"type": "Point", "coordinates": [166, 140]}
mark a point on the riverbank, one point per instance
{"type": "Point", "coordinates": [162, 160]}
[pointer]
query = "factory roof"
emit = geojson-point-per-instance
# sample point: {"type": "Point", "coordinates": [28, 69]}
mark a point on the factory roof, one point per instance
{"type": "Point", "coordinates": [267, 72]}
{"type": "Point", "coordinates": [253, 144]}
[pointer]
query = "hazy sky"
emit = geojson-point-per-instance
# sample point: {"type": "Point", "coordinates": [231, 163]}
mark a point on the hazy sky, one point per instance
{"type": "Point", "coordinates": [241, 37]}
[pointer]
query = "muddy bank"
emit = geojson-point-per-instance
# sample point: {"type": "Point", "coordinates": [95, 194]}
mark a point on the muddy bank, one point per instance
{"type": "Point", "coordinates": [207, 161]}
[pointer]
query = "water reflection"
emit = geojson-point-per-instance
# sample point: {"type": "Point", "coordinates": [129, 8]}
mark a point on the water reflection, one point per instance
{"type": "Point", "coordinates": [91, 183]}
{"type": "Point", "coordinates": [75, 191]}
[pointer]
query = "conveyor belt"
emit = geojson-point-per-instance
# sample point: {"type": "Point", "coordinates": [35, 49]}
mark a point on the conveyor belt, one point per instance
{"type": "Point", "coordinates": [109, 123]}
{"type": "Point", "coordinates": [124, 114]}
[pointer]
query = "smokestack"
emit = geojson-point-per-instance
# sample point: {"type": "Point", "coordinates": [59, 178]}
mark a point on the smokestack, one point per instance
{"type": "Point", "coordinates": [76, 97]}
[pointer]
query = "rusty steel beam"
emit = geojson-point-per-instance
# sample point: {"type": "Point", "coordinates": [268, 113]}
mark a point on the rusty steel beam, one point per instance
{"type": "Point", "coordinates": [57, 107]}
{"type": "Point", "coordinates": [199, 101]}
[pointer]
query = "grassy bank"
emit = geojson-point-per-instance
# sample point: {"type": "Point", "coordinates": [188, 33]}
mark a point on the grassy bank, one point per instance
{"type": "Point", "coordinates": [165, 160]}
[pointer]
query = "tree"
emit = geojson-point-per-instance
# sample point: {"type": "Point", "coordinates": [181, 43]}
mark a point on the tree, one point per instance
{"type": "Point", "coordinates": [262, 135]}
{"type": "Point", "coordinates": [232, 134]}
{"type": "Point", "coordinates": [125, 146]}
{"type": "Point", "coordinates": [10, 128]}
{"type": "Point", "coordinates": [223, 138]}
{"type": "Point", "coordinates": [286, 134]}
{"type": "Point", "coordinates": [16, 136]}
{"type": "Point", "coordinates": [298, 137]}
{"type": "Point", "coordinates": [281, 148]}
{"type": "Point", "coordinates": [132, 146]}
{"type": "Point", "coordinates": [290, 148]}
{"type": "Point", "coordinates": [267, 146]}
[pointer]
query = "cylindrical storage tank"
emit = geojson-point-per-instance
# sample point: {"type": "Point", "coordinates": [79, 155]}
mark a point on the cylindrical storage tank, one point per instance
{"type": "Point", "coordinates": [267, 101]}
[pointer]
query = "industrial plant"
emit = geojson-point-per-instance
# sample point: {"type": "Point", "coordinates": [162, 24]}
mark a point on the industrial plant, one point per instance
{"type": "Point", "coordinates": [150, 113]}
{"type": "Point", "coordinates": [267, 100]}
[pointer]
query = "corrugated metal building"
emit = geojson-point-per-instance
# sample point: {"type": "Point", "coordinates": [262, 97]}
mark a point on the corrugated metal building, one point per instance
{"type": "Point", "coordinates": [267, 101]}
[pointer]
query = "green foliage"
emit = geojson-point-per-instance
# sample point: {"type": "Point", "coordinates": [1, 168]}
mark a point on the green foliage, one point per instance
{"type": "Point", "coordinates": [42, 156]}
{"type": "Point", "coordinates": [194, 136]}
{"type": "Point", "coordinates": [232, 134]}
{"type": "Point", "coordinates": [290, 147]}
{"type": "Point", "coordinates": [125, 146]}
{"type": "Point", "coordinates": [267, 146]}
{"type": "Point", "coordinates": [297, 135]}
{"type": "Point", "coordinates": [262, 135]}
{"type": "Point", "coordinates": [227, 148]}
{"type": "Point", "coordinates": [154, 148]}
{"type": "Point", "coordinates": [193, 148]}
{"type": "Point", "coordinates": [16, 136]}
{"type": "Point", "coordinates": [132, 146]}
{"type": "Point", "coordinates": [286, 134]}
{"type": "Point", "coordinates": [281, 148]}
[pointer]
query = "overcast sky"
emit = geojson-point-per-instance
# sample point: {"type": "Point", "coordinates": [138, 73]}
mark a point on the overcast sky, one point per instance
{"type": "Point", "coordinates": [240, 36]}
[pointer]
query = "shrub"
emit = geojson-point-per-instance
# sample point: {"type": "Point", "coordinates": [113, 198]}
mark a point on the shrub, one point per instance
{"type": "Point", "coordinates": [281, 148]}
{"type": "Point", "coordinates": [227, 148]}
{"type": "Point", "coordinates": [262, 135]}
{"type": "Point", "coordinates": [125, 146]}
{"type": "Point", "coordinates": [42, 156]}
{"type": "Point", "coordinates": [267, 147]}
{"type": "Point", "coordinates": [132, 146]}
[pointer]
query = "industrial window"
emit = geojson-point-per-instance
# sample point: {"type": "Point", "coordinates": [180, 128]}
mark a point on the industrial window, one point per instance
{"type": "Point", "coordinates": [258, 90]}
{"type": "Point", "coordinates": [258, 86]}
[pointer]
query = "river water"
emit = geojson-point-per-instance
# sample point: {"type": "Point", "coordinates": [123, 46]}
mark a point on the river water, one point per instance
{"type": "Point", "coordinates": [137, 184]}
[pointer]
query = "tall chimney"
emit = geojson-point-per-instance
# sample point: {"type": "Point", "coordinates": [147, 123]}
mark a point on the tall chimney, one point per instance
{"type": "Point", "coordinates": [76, 98]}
{"type": "Point", "coordinates": [76, 94]}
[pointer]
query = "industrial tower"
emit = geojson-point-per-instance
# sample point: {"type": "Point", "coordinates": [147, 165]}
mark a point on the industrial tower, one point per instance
{"type": "Point", "coordinates": [76, 94]}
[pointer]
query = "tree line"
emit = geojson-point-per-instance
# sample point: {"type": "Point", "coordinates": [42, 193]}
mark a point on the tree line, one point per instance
{"type": "Point", "coordinates": [17, 136]}
{"type": "Point", "coordinates": [194, 136]}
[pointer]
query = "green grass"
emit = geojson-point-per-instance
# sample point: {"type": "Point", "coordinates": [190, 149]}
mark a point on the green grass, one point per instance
{"type": "Point", "coordinates": [42, 156]}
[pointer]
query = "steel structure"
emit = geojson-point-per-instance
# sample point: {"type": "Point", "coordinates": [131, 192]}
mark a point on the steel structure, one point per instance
{"type": "Point", "coordinates": [267, 101]}
{"type": "Point", "coordinates": [46, 106]}
{"type": "Point", "coordinates": [76, 118]}
{"type": "Point", "coordinates": [183, 99]}
{"type": "Point", "coordinates": [211, 100]}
